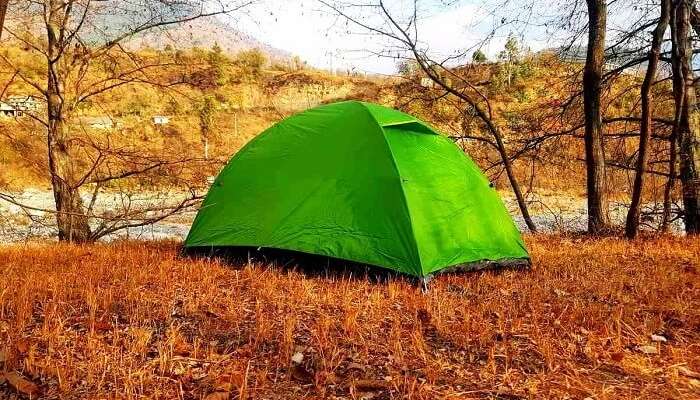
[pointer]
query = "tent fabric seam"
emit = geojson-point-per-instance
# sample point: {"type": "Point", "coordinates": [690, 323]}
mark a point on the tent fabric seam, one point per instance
{"type": "Point", "coordinates": [403, 191]}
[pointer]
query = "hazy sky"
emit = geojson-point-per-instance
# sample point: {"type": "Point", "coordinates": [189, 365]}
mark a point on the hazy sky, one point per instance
{"type": "Point", "coordinates": [308, 29]}
{"type": "Point", "coordinates": [315, 33]}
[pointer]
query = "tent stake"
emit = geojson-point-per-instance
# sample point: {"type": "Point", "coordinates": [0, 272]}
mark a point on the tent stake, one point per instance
{"type": "Point", "coordinates": [424, 283]}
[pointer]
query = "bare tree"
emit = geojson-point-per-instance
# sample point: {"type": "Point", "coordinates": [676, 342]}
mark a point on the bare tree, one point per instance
{"type": "Point", "coordinates": [626, 53]}
{"type": "Point", "coordinates": [598, 220]}
{"type": "Point", "coordinates": [406, 36]}
{"type": "Point", "coordinates": [687, 120]}
{"type": "Point", "coordinates": [632, 225]}
{"type": "Point", "coordinates": [77, 41]}
{"type": "Point", "coordinates": [205, 112]}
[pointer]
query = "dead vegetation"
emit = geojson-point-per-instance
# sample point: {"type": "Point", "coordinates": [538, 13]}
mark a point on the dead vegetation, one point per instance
{"type": "Point", "coordinates": [596, 319]}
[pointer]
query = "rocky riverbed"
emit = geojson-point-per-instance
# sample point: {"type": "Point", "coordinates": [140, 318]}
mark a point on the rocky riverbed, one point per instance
{"type": "Point", "coordinates": [551, 213]}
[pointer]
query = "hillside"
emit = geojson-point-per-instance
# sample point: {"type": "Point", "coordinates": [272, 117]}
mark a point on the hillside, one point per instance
{"type": "Point", "coordinates": [248, 92]}
{"type": "Point", "coordinates": [205, 33]}
{"type": "Point", "coordinates": [243, 94]}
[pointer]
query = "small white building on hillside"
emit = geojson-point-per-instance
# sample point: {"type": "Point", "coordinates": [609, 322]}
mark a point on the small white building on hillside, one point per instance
{"type": "Point", "coordinates": [17, 106]}
{"type": "Point", "coordinates": [7, 110]}
{"type": "Point", "coordinates": [24, 103]}
{"type": "Point", "coordinates": [161, 120]}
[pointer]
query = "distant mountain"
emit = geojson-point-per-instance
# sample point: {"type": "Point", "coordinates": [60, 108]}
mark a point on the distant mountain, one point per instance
{"type": "Point", "coordinates": [204, 33]}
{"type": "Point", "coordinates": [201, 32]}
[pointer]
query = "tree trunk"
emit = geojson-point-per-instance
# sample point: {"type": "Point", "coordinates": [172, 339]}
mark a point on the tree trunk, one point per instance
{"type": "Point", "coordinates": [670, 183]}
{"type": "Point", "coordinates": [695, 20]}
{"type": "Point", "coordinates": [688, 124]}
{"type": "Point", "coordinates": [3, 11]}
{"type": "Point", "coordinates": [679, 98]}
{"type": "Point", "coordinates": [632, 226]}
{"type": "Point", "coordinates": [598, 221]}
{"type": "Point", "coordinates": [70, 216]}
{"type": "Point", "coordinates": [508, 165]}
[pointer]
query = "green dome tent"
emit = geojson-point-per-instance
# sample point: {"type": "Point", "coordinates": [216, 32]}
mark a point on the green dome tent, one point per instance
{"type": "Point", "coordinates": [359, 182]}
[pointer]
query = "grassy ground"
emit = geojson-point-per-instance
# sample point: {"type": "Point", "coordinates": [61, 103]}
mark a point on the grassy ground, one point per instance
{"type": "Point", "coordinates": [131, 320]}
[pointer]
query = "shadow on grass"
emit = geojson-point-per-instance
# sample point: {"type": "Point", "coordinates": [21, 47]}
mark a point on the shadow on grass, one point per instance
{"type": "Point", "coordinates": [318, 266]}
{"type": "Point", "coordinates": [310, 265]}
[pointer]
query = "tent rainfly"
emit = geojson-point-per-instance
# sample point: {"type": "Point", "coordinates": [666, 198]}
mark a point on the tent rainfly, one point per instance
{"type": "Point", "coordinates": [359, 182]}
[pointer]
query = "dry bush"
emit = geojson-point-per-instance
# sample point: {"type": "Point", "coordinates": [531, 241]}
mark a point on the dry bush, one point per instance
{"type": "Point", "coordinates": [131, 320]}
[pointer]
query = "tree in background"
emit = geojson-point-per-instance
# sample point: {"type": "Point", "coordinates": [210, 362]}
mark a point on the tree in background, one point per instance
{"type": "Point", "coordinates": [687, 119]}
{"type": "Point", "coordinates": [633, 215]}
{"type": "Point", "coordinates": [214, 74]}
{"type": "Point", "coordinates": [408, 68]}
{"type": "Point", "coordinates": [479, 57]}
{"type": "Point", "coordinates": [512, 65]}
{"type": "Point", "coordinates": [598, 220]}
{"type": "Point", "coordinates": [298, 64]}
{"type": "Point", "coordinates": [217, 65]}
{"type": "Point", "coordinates": [85, 57]}
{"type": "Point", "coordinates": [510, 57]}
{"type": "Point", "coordinates": [205, 113]}
{"type": "Point", "coordinates": [251, 62]}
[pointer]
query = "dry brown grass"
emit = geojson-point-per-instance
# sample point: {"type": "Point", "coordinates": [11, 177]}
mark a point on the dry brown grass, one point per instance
{"type": "Point", "coordinates": [131, 320]}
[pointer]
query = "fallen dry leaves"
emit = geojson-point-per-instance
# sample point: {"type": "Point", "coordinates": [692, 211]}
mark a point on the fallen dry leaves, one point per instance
{"type": "Point", "coordinates": [20, 384]}
{"type": "Point", "coordinates": [599, 319]}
